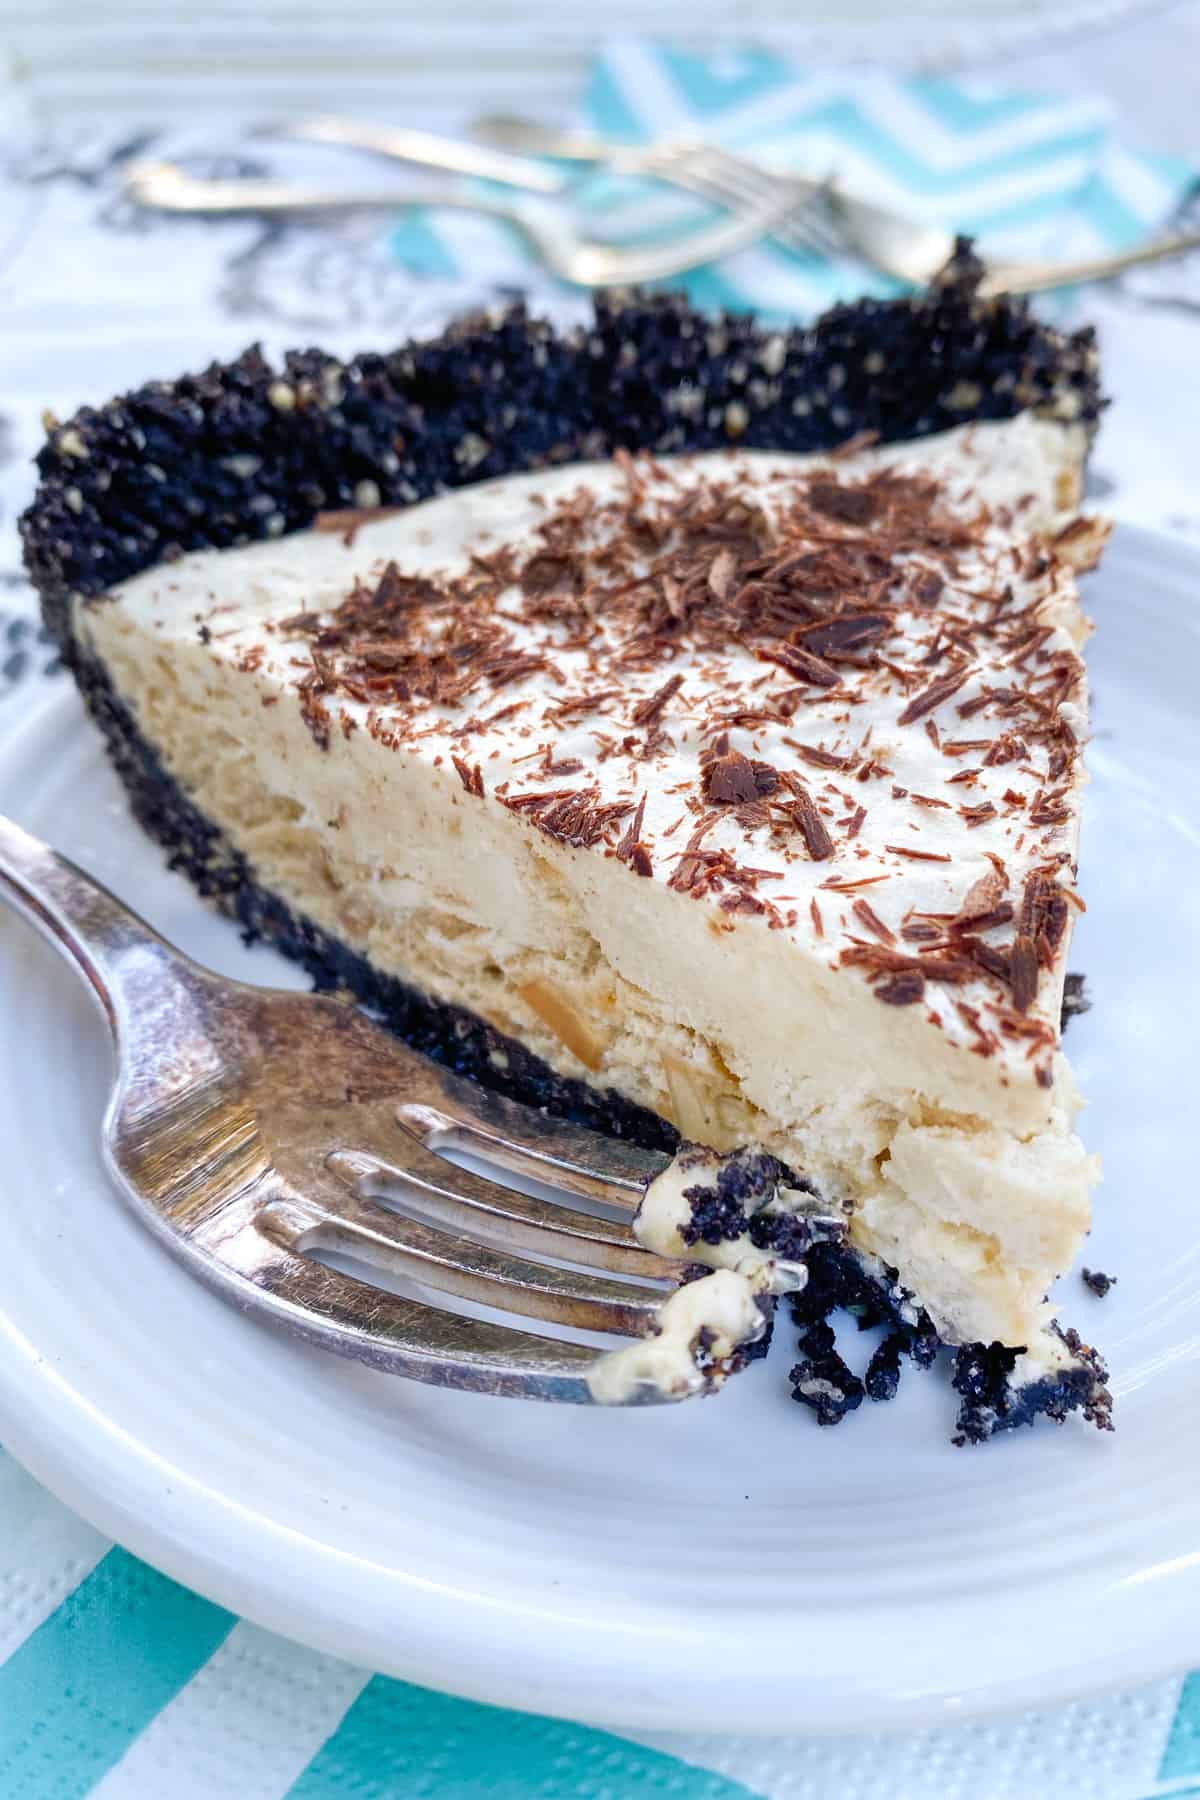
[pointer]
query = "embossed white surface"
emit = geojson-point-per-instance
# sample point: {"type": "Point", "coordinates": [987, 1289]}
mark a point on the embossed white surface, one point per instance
{"type": "Point", "coordinates": [647, 1571]}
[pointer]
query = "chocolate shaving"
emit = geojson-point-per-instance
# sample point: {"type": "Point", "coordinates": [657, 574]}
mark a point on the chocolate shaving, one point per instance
{"type": "Point", "coordinates": [1023, 972]}
{"type": "Point", "coordinates": [728, 778]}
{"type": "Point", "coordinates": [867, 916]}
{"type": "Point", "coordinates": [981, 897]}
{"type": "Point", "coordinates": [933, 695]}
{"type": "Point", "coordinates": [471, 777]}
{"type": "Point", "coordinates": [928, 588]}
{"type": "Point", "coordinates": [850, 505]}
{"type": "Point", "coordinates": [937, 856]}
{"type": "Point", "coordinates": [575, 816]}
{"type": "Point", "coordinates": [849, 631]}
{"type": "Point", "coordinates": [649, 709]}
{"type": "Point", "coordinates": [631, 849]}
{"type": "Point", "coordinates": [349, 520]}
{"type": "Point", "coordinates": [1049, 808]}
{"type": "Point", "coordinates": [547, 572]}
{"type": "Point", "coordinates": [854, 588]}
{"type": "Point", "coordinates": [878, 959]}
{"type": "Point", "coordinates": [903, 989]}
{"type": "Point", "coordinates": [801, 663]}
{"type": "Point", "coordinates": [818, 758]}
{"type": "Point", "coordinates": [576, 705]}
{"type": "Point", "coordinates": [994, 962]}
{"type": "Point", "coordinates": [1045, 915]}
{"type": "Point", "coordinates": [803, 812]}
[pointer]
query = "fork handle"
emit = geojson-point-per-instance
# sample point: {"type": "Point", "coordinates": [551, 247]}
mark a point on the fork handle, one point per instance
{"type": "Point", "coordinates": [86, 923]}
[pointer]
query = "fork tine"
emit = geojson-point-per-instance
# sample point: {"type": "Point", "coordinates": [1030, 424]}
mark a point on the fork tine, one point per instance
{"type": "Point", "coordinates": [533, 1143]}
{"type": "Point", "coordinates": [466, 1202]}
{"type": "Point", "coordinates": [808, 226]}
{"type": "Point", "coordinates": [407, 1337]}
{"type": "Point", "coordinates": [461, 1266]}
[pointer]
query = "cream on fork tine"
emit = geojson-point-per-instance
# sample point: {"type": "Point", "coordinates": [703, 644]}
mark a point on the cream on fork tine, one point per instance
{"type": "Point", "coordinates": [251, 1127]}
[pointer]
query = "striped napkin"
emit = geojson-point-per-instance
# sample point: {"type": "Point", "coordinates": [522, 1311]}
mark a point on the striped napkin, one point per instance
{"type": "Point", "coordinates": [1032, 175]}
{"type": "Point", "coordinates": [118, 1684]}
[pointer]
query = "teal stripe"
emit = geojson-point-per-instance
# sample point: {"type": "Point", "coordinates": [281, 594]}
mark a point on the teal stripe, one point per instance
{"type": "Point", "coordinates": [1108, 214]}
{"type": "Point", "coordinates": [711, 291]}
{"type": "Point", "coordinates": [711, 83]}
{"type": "Point", "coordinates": [609, 109]}
{"type": "Point", "coordinates": [965, 112]}
{"type": "Point", "coordinates": [1178, 170]}
{"type": "Point", "coordinates": [851, 121]}
{"type": "Point", "coordinates": [94, 1675]}
{"type": "Point", "coordinates": [1182, 1754]}
{"type": "Point", "coordinates": [405, 1743]}
{"type": "Point", "coordinates": [417, 245]}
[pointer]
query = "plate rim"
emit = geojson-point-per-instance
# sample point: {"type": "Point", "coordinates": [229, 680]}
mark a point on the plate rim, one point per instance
{"type": "Point", "coordinates": [122, 1488]}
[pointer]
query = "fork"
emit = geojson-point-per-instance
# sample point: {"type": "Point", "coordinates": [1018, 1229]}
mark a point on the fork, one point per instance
{"type": "Point", "coordinates": [546, 225]}
{"type": "Point", "coordinates": [832, 219]}
{"type": "Point", "coordinates": [705, 168]}
{"type": "Point", "coordinates": [698, 167]}
{"type": "Point", "coordinates": [254, 1129]}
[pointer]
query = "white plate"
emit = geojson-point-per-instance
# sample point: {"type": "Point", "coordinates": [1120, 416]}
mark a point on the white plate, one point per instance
{"type": "Point", "coordinates": [717, 1565]}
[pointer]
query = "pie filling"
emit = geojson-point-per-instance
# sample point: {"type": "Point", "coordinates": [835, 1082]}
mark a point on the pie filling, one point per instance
{"type": "Point", "coordinates": [737, 789]}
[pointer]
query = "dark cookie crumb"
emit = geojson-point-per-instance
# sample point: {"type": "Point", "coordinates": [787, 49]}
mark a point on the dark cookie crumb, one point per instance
{"type": "Point", "coordinates": [821, 1380]}
{"type": "Point", "coordinates": [839, 1280]}
{"type": "Point", "coordinates": [883, 1371]}
{"type": "Point", "coordinates": [722, 1210]}
{"type": "Point", "coordinates": [1075, 1000]}
{"type": "Point", "coordinates": [1098, 1281]}
{"type": "Point", "coordinates": [982, 1375]}
{"type": "Point", "coordinates": [729, 1202]}
{"type": "Point", "coordinates": [246, 451]}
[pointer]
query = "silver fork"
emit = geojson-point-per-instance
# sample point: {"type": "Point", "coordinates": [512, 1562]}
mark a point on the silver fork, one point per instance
{"type": "Point", "coordinates": [826, 216]}
{"type": "Point", "coordinates": [699, 168]}
{"type": "Point", "coordinates": [250, 1128]}
{"type": "Point", "coordinates": [914, 251]}
{"type": "Point", "coordinates": [545, 224]}
{"type": "Point", "coordinates": [704, 168]}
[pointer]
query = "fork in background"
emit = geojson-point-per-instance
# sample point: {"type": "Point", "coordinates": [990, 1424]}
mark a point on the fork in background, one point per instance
{"type": "Point", "coordinates": [907, 249]}
{"type": "Point", "coordinates": [545, 223]}
{"type": "Point", "coordinates": [703, 168]}
{"type": "Point", "coordinates": [514, 146]}
{"type": "Point", "coordinates": [255, 1131]}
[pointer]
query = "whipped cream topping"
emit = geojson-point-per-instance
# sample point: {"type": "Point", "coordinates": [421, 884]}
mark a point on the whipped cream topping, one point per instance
{"type": "Point", "coordinates": [839, 698]}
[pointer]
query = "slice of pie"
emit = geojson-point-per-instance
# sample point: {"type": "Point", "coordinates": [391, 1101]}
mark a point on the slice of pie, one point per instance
{"type": "Point", "coordinates": [674, 723]}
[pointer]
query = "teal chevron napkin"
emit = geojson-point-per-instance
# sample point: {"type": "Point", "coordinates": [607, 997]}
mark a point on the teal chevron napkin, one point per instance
{"type": "Point", "coordinates": [1031, 174]}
